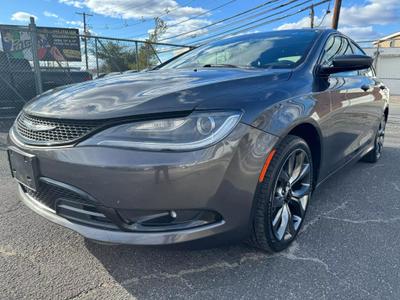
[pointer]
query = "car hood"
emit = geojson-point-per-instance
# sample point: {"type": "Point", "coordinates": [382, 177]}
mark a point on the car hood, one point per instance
{"type": "Point", "coordinates": [154, 92]}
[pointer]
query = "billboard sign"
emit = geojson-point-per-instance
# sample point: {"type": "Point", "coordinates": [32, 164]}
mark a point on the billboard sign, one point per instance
{"type": "Point", "coordinates": [54, 44]}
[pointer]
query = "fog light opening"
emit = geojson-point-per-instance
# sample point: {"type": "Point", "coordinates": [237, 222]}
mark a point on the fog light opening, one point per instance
{"type": "Point", "coordinates": [167, 220]}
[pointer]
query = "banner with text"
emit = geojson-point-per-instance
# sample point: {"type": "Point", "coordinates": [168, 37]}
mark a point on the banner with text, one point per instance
{"type": "Point", "coordinates": [54, 44]}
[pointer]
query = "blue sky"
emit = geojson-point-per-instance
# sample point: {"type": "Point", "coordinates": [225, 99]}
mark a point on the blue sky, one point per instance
{"type": "Point", "coordinates": [361, 19]}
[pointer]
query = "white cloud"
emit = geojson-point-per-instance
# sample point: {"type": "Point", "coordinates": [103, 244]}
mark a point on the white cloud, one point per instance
{"type": "Point", "coordinates": [50, 14]}
{"type": "Point", "coordinates": [186, 26]}
{"type": "Point", "coordinates": [135, 9]}
{"type": "Point", "coordinates": [359, 33]}
{"type": "Point", "coordinates": [305, 23]}
{"type": "Point", "coordinates": [75, 3]}
{"type": "Point", "coordinates": [22, 16]}
{"type": "Point", "coordinates": [355, 32]}
{"type": "Point", "coordinates": [74, 23]}
{"type": "Point", "coordinates": [357, 21]}
{"type": "Point", "coordinates": [372, 12]}
{"type": "Point", "coordinates": [176, 16]}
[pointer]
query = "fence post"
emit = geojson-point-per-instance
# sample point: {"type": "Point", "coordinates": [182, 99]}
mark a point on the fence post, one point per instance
{"type": "Point", "coordinates": [97, 57]}
{"type": "Point", "coordinates": [377, 58]}
{"type": "Point", "coordinates": [137, 56]}
{"type": "Point", "coordinates": [36, 65]}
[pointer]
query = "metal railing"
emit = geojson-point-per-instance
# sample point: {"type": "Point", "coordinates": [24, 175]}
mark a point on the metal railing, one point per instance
{"type": "Point", "coordinates": [386, 54]}
{"type": "Point", "coordinates": [31, 62]}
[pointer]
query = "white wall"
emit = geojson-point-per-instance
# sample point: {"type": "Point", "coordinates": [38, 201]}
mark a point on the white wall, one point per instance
{"type": "Point", "coordinates": [387, 65]}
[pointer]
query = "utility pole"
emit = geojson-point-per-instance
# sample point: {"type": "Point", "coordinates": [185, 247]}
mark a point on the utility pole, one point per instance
{"type": "Point", "coordinates": [35, 59]}
{"type": "Point", "coordinates": [336, 14]}
{"type": "Point", "coordinates": [312, 14]}
{"type": "Point", "coordinates": [85, 32]}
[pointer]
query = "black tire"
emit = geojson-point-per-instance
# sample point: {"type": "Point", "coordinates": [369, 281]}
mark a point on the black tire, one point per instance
{"type": "Point", "coordinates": [270, 193]}
{"type": "Point", "coordinates": [375, 154]}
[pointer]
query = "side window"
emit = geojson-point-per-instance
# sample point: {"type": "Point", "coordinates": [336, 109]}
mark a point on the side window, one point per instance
{"type": "Point", "coordinates": [331, 50]}
{"type": "Point", "coordinates": [336, 46]}
{"type": "Point", "coordinates": [357, 50]}
{"type": "Point", "coordinates": [367, 72]}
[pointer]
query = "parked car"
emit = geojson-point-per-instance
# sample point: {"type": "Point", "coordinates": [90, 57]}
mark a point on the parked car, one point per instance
{"type": "Point", "coordinates": [227, 141]}
{"type": "Point", "coordinates": [17, 80]}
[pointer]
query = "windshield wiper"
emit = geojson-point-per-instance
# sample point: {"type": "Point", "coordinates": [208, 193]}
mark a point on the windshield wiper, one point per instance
{"type": "Point", "coordinates": [220, 66]}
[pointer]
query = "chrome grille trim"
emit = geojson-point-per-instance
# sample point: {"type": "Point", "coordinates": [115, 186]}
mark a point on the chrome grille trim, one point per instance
{"type": "Point", "coordinates": [45, 131]}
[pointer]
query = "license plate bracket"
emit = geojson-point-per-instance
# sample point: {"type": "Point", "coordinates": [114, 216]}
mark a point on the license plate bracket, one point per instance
{"type": "Point", "coordinates": [24, 167]}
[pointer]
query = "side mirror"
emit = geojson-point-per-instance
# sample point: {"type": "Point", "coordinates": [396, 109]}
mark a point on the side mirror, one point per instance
{"type": "Point", "coordinates": [345, 63]}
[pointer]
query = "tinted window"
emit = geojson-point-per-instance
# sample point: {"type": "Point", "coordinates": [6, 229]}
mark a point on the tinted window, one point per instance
{"type": "Point", "coordinates": [357, 50]}
{"type": "Point", "coordinates": [337, 46]}
{"type": "Point", "coordinates": [267, 50]}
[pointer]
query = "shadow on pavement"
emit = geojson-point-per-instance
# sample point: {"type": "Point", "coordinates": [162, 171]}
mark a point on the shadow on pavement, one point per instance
{"type": "Point", "coordinates": [149, 272]}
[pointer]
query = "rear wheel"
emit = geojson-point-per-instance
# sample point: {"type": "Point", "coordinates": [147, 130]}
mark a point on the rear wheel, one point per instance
{"type": "Point", "coordinates": [281, 199]}
{"type": "Point", "coordinates": [375, 154]}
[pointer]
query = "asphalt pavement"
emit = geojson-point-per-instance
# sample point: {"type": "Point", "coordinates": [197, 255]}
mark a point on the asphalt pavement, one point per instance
{"type": "Point", "coordinates": [348, 248]}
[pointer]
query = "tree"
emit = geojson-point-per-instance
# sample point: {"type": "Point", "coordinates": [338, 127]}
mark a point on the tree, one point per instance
{"type": "Point", "coordinates": [147, 53]}
{"type": "Point", "coordinates": [115, 57]}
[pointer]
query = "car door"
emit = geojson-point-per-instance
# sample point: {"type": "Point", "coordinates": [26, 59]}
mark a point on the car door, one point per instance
{"type": "Point", "coordinates": [370, 101]}
{"type": "Point", "coordinates": [344, 127]}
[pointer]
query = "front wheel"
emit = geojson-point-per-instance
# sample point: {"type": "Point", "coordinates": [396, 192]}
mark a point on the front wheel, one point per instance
{"type": "Point", "coordinates": [282, 197]}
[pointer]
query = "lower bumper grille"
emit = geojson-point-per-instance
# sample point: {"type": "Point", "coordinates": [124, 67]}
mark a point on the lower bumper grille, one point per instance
{"type": "Point", "coordinates": [70, 205]}
{"type": "Point", "coordinates": [48, 194]}
{"type": "Point", "coordinates": [78, 207]}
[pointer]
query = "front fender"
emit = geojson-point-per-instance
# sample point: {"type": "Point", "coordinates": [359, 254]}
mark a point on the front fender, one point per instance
{"type": "Point", "coordinates": [280, 118]}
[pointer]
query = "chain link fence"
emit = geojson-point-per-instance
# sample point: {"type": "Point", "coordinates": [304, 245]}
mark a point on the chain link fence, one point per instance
{"type": "Point", "coordinates": [386, 54]}
{"type": "Point", "coordinates": [32, 60]}
{"type": "Point", "coordinates": [36, 59]}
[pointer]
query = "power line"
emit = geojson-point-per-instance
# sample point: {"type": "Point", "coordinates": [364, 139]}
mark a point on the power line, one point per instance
{"type": "Point", "coordinates": [261, 13]}
{"type": "Point", "coordinates": [229, 32]}
{"type": "Point", "coordinates": [272, 15]}
{"type": "Point", "coordinates": [328, 11]}
{"type": "Point", "coordinates": [223, 20]}
{"type": "Point", "coordinates": [206, 12]}
{"type": "Point", "coordinates": [194, 17]}
{"type": "Point", "coordinates": [148, 20]}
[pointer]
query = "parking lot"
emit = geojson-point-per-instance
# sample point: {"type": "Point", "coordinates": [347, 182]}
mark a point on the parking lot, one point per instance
{"type": "Point", "coordinates": [348, 248]}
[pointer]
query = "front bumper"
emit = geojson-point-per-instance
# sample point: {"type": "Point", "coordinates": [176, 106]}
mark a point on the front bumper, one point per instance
{"type": "Point", "coordinates": [122, 237]}
{"type": "Point", "coordinates": [221, 179]}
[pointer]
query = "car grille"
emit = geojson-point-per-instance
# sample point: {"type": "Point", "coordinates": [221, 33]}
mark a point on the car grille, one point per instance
{"type": "Point", "coordinates": [70, 205]}
{"type": "Point", "coordinates": [44, 131]}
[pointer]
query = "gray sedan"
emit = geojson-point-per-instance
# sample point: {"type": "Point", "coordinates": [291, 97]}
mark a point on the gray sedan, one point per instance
{"type": "Point", "coordinates": [225, 142]}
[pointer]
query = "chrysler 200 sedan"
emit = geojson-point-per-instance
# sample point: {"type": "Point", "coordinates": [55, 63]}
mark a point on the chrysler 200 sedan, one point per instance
{"type": "Point", "coordinates": [227, 141]}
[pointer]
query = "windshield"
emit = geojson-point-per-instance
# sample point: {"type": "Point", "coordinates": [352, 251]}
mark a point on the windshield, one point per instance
{"type": "Point", "coordinates": [279, 49]}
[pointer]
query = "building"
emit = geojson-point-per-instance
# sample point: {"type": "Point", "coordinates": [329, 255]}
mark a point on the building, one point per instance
{"type": "Point", "coordinates": [386, 54]}
{"type": "Point", "coordinates": [389, 41]}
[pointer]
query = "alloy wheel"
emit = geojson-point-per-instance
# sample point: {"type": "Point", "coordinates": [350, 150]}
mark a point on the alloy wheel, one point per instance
{"type": "Point", "coordinates": [380, 138]}
{"type": "Point", "coordinates": [291, 194]}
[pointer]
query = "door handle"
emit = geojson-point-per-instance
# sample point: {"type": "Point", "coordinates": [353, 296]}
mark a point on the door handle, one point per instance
{"type": "Point", "coordinates": [365, 87]}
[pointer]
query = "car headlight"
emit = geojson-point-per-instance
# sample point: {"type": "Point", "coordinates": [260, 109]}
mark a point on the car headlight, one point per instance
{"type": "Point", "coordinates": [198, 130]}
